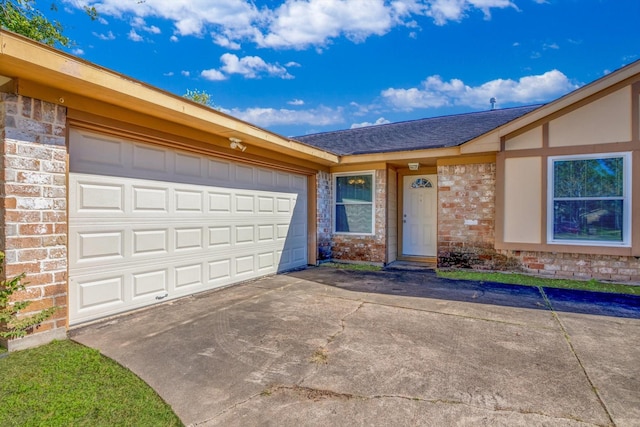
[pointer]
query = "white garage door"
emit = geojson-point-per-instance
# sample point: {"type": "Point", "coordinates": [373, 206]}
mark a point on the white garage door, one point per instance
{"type": "Point", "coordinates": [147, 224]}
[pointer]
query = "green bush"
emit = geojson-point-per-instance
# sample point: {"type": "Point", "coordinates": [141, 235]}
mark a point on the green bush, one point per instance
{"type": "Point", "coordinates": [11, 324]}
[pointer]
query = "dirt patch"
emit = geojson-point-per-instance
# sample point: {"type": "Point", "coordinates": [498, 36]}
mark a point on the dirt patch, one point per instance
{"type": "Point", "coordinates": [306, 393]}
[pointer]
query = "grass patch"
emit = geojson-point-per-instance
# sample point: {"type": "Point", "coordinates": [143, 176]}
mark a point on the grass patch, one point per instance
{"type": "Point", "coordinates": [525, 280]}
{"type": "Point", "coordinates": [320, 357]}
{"type": "Point", "coordinates": [356, 267]}
{"type": "Point", "coordinates": [64, 383]}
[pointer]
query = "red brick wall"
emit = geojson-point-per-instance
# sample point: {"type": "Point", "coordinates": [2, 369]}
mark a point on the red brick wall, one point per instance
{"type": "Point", "coordinates": [33, 206]}
{"type": "Point", "coordinates": [466, 216]}
{"type": "Point", "coordinates": [324, 203]}
{"type": "Point", "coordinates": [577, 266]}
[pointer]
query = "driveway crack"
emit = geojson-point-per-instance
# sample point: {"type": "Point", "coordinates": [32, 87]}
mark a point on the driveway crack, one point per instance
{"type": "Point", "coordinates": [567, 338]}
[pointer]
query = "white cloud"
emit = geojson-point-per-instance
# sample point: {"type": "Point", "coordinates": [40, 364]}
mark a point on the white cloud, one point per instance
{"type": "Point", "coordinates": [225, 42]}
{"type": "Point", "coordinates": [297, 24]}
{"type": "Point", "coordinates": [139, 23]}
{"type": "Point", "coordinates": [174, 39]}
{"type": "Point", "coordinates": [296, 102]}
{"type": "Point", "coordinates": [380, 121]}
{"type": "Point", "coordinates": [292, 64]}
{"type": "Point", "coordinates": [266, 117]}
{"type": "Point", "coordinates": [108, 36]}
{"type": "Point", "coordinates": [169, 74]}
{"type": "Point", "coordinates": [434, 92]}
{"type": "Point", "coordinates": [300, 23]}
{"type": "Point", "coordinates": [443, 11]}
{"type": "Point", "coordinates": [251, 67]}
{"type": "Point", "coordinates": [185, 73]}
{"type": "Point", "coordinates": [134, 36]}
{"type": "Point", "coordinates": [78, 52]}
{"type": "Point", "coordinates": [213, 75]}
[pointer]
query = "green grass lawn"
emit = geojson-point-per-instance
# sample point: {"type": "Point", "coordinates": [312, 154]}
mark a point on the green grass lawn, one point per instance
{"type": "Point", "coordinates": [523, 279]}
{"type": "Point", "coordinates": [66, 384]}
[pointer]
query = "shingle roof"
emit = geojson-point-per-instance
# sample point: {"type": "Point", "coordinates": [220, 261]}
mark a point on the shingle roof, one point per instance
{"type": "Point", "coordinates": [435, 132]}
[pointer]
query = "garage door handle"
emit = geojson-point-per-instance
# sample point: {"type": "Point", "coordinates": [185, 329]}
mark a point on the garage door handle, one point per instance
{"type": "Point", "coordinates": [159, 297]}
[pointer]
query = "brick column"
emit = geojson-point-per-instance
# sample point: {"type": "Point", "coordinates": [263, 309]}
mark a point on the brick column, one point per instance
{"type": "Point", "coordinates": [466, 218]}
{"type": "Point", "coordinates": [33, 196]}
{"type": "Point", "coordinates": [323, 194]}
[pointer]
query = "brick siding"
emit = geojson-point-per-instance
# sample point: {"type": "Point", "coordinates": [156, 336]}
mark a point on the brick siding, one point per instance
{"type": "Point", "coordinates": [466, 217]}
{"type": "Point", "coordinates": [577, 266]}
{"type": "Point", "coordinates": [323, 191]}
{"type": "Point", "coordinates": [33, 205]}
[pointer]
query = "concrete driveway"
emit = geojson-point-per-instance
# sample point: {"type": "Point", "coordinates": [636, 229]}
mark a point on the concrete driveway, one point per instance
{"type": "Point", "coordinates": [326, 347]}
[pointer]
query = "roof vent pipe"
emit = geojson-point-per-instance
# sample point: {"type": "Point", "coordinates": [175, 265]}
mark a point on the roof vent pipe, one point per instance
{"type": "Point", "coordinates": [493, 103]}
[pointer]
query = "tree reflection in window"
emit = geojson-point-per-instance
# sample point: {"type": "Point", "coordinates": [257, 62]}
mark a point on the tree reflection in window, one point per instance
{"type": "Point", "coordinates": [589, 198]}
{"type": "Point", "coordinates": [421, 183]}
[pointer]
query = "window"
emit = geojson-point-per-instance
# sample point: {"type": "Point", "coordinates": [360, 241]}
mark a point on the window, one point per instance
{"type": "Point", "coordinates": [421, 183]}
{"type": "Point", "coordinates": [589, 200]}
{"type": "Point", "coordinates": [354, 203]}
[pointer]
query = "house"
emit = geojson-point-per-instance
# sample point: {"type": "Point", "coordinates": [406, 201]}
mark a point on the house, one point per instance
{"type": "Point", "coordinates": [116, 195]}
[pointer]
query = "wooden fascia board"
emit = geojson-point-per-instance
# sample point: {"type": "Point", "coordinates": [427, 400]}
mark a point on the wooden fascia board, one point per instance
{"type": "Point", "coordinates": [400, 155]}
{"type": "Point", "coordinates": [40, 66]}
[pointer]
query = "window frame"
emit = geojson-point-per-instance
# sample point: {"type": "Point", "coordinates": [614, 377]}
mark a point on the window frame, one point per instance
{"type": "Point", "coordinates": [335, 203]}
{"type": "Point", "coordinates": [626, 199]}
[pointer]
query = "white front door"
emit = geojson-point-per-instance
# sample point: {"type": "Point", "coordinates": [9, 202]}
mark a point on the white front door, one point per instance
{"type": "Point", "coordinates": [419, 215]}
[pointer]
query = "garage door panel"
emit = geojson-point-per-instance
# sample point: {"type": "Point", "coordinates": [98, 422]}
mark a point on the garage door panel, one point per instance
{"type": "Point", "coordinates": [244, 174]}
{"type": "Point", "coordinates": [244, 204]}
{"type": "Point", "coordinates": [219, 270]}
{"type": "Point", "coordinates": [150, 242]}
{"type": "Point", "coordinates": [219, 203]}
{"type": "Point", "coordinates": [188, 275]}
{"type": "Point", "coordinates": [150, 200]}
{"type": "Point", "coordinates": [105, 291]}
{"type": "Point", "coordinates": [219, 171]}
{"type": "Point", "coordinates": [219, 236]}
{"type": "Point", "coordinates": [266, 177]}
{"type": "Point", "coordinates": [149, 158]}
{"type": "Point", "coordinates": [188, 201]}
{"type": "Point", "coordinates": [245, 264]}
{"type": "Point", "coordinates": [266, 261]}
{"type": "Point", "coordinates": [164, 224]}
{"type": "Point", "coordinates": [188, 239]}
{"type": "Point", "coordinates": [188, 165]}
{"type": "Point", "coordinates": [100, 197]}
{"type": "Point", "coordinates": [265, 205]}
{"type": "Point", "coordinates": [266, 233]}
{"type": "Point", "coordinates": [150, 282]}
{"type": "Point", "coordinates": [96, 246]}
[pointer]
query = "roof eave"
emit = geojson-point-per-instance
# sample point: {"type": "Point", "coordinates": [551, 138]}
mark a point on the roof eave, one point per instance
{"type": "Point", "coordinates": [24, 59]}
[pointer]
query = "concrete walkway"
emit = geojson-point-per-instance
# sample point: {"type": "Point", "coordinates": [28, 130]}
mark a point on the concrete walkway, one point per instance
{"type": "Point", "coordinates": [326, 347]}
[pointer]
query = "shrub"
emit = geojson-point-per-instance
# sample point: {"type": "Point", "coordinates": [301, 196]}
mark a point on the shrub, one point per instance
{"type": "Point", "coordinates": [12, 324]}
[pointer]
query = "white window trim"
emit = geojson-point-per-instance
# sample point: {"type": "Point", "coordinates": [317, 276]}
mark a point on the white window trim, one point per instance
{"type": "Point", "coordinates": [334, 202]}
{"type": "Point", "coordinates": [626, 204]}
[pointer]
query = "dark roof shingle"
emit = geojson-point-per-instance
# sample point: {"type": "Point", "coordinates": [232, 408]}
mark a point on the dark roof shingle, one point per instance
{"type": "Point", "coordinates": [435, 132]}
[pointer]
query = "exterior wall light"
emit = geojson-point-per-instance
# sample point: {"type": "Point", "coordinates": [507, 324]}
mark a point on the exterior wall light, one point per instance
{"type": "Point", "coordinates": [236, 144]}
{"type": "Point", "coordinates": [413, 166]}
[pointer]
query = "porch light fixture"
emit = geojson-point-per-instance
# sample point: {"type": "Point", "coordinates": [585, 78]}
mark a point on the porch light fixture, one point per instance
{"type": "Point", "coordinates": [236, 144]}
{"type": "Point", "coordinates": [413, 166]}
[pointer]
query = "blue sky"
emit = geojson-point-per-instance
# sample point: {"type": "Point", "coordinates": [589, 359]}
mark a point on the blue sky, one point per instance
{"type": "Point", "coordinates": [305, 66]}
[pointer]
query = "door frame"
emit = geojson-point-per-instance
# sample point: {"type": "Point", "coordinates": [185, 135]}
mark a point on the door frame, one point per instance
{"type": "Point", "coordinates": [432, 170]}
